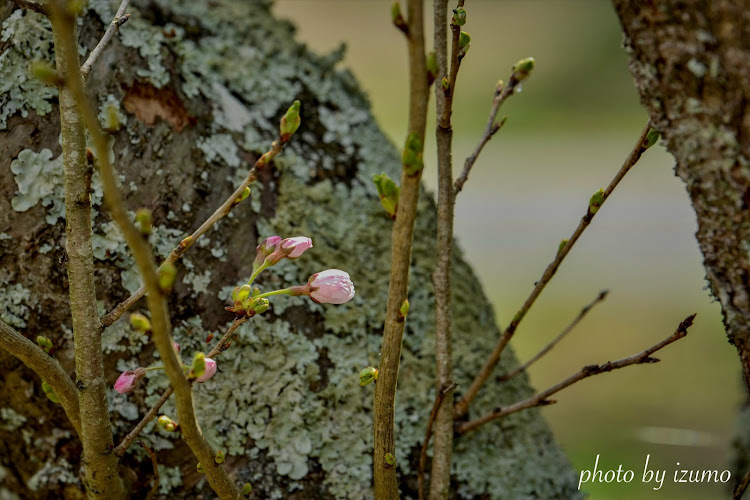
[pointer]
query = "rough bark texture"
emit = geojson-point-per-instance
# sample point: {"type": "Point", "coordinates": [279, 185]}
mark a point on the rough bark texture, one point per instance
{"type": "Point", "coordinates": [198, 89]}
{"type": "Point", "coordinates": [691, 63]}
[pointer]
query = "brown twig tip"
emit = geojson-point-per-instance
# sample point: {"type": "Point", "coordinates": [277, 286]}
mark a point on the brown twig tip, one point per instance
{"type": "Point", "coordinates": [122, 20]}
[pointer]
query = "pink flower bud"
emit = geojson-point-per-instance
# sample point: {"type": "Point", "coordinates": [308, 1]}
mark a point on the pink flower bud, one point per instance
{"type": "Point", "coordinates": [266, 248]}
{"type": "Point", "coordinates": [127, 380]}
{"type": "Point", "coordinates": [295, 247]}
{"type": "Point", "coordinates": [210, 370]}
{"type": "Point", "coordinates": [176, 347]}
{"type": "Point", "coordinates": [331, 286]}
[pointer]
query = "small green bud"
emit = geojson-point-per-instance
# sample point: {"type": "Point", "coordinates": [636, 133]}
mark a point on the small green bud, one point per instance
{"type": "Point", "coordinates": [167, 275]}
{"type": "Point", "coordinates": [198, 367]}
{"type": "Point", "coordinates": [390, 459]}
{"type": "Point", "coordinates": [445, 84]}
{"type": "Point", "coordinates": [167, 423]}
{"type": "Point", "coordinates": [651, 139]}
{"type": "Point", "coordinates": [596, 201]}
{"type": "Point", "coordinates": [518, 317]}
{"type": "Point", "coordinates": [411, 156]}
{"type": "Point", "coordinates": [562, 245]}
{"type": "Point", "coordinates": [243, 196]}
{"type": "Point", "coordinates": [44, 343]}
{"type": "Point", "coordinates": [368, 375]}
{"type": "Point", "coordinates": [388, 191]}
{"type": "Point", "coordinates": [184, 244]}
{"type": "Point", "coordinates": [244, 292]}
{"type": "Point", "coordinates": [247, 488]}
{"type": "Point", "coordinates": [522, 69]}
{"type": "Point", "coordinates": [144, 220]}
{"type": "Point", "coordinates": [464, 43]}
{"type": "Point", "coordinates": [290, 122]}
{"type": "Point", "coordinates": [50, 392]}
{"type": "Point", "coordinates": [404, 311]}
{"type": "Point", "coordinates": [140, 322]}
{"type": "Point", "coordinates": [397, 18]}
{"type": "Point", "coordinates": [432, 67]}
{"type": "Point", "coordinates": [256, 291]}
{"type": "Point", "coordinates": [200, 468]}
{"type": "Point", "coordinates": [261, 306]}
{"type": "Point", "coordinates": [46, 73]}
{"type": "Point", "coordinates": [459, 16]}
{"type": "Point", "coordinates": [219, 458]}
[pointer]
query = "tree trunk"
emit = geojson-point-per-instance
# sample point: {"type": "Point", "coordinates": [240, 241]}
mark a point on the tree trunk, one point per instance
{"type": "Point", "coordinates": [691, 64]}
{"type": "Point", "coordinates": [193, 92]}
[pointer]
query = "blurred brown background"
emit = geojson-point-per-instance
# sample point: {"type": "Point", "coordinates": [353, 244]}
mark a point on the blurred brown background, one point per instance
{"type": "Point", "coordinates": [566, 136]}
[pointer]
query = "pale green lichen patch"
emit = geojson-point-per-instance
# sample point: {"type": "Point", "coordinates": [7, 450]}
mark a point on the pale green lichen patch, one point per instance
{"type": "Point", "coordinates": [169, 479]}
{"type": "Point", "coordinates": [10, 420]}
{"type": "Point", "coordinates": [39, 179]}
{"type": "Point", "coordinates": [51, 474]}
{"type": "Point", "coordinates": [27, 36]}
{"type": "Point", "coordinates": [16, 303]}
{"type": "Point", "coordinates": [220, 147]}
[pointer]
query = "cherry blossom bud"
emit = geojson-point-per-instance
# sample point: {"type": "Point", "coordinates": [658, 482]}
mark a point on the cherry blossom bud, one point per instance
{"type": "Point", "coordinates": [290, 122]}
{"type": "Point", "coordinates": [368, 375]}
{"type": "Point", "coordinates": [210, 370]}
{"type": "Point", "coordinates": [219, 458]}
{"type": "Point", "coordinates": [244, 292]}
{"type": "Point", "coordinates": [295, 247]}
{"type": "Point", "coordinates": [140, 322]}
{"type": "Point", "coordinates": [266, 248]}
{"type": "Point", "coordinates": [127, 380]}
{"type": "Point", "coordinates": [596, 201]}
{"type": "Point", "coordinates": [459, 16]}
{"type": "Point", "coordinates": [167, 423]}
{"type": "Point", "coordinates": [331, 286]}
{"type": "Point", "coordinates": [198, 368]}
{"type": "Point", "coordinates": [176, 347]}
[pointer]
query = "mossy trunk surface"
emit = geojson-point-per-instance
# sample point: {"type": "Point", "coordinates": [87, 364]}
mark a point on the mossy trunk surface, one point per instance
{"type": "Point", "coordinates": [691, 64]}
{"type": "Point", "coordinates": [193, 92]}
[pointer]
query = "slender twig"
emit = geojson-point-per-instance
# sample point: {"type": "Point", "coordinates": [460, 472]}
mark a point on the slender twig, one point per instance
{"type": "Point", "coordinates": [463, 406]}
{"type": "Point", "coordinates": [602, 295]}
{"type": "Point", "coordinates": [32, 5]}
{"type": "Point", "coordinates": [385, 479]}
{"type": "Point", "coordinates": [741, 487]}
{"type": "Point", "coordinates": [188, 241]}
{"type": "Point", "coordinates": [585, 372]}
{"type": "Point", "coordinates": [160, 323]}
{"type": "Point", "coordinates": [152, 455]}
{"type": "Point", "coordinates": [119, 19]}
{"type": "Point", "coordinates": [439, 399]}
{"type": "Point", "coordinates": [46, 367]}
{"type": "Point", "coordinates": [101, 475]}
{"type": "Point", "coordinates": [440, 475]}
{"type": "Point", "coordinates": [154, 411]}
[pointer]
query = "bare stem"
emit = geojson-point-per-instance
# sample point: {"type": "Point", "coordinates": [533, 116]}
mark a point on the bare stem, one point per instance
{"type": "Point", "coordinates": [741, 487]}
{"type": "Point", "coordinates": [188, 241]}
{"type": "Point", "coordinates": [585, 372]}
{"type": "Point", "coordinates": [152, 455]}
{"type": "Point", "coordinates": [386, 486]}
{"type": "Point", "coordinates": [439, 399]}
{"type": "Point", "coordinates": [463, 406]}
{"type": "Point", "coordinates": [46, 367]}
{"type": "Point", "coordinates": [154, 411]}
{"type": "Point", "coordinates": [602, 295]}
{"type": "Point", "coordinates": [119, 19]}
{"type": "Point", "coordinates": [101, 477]}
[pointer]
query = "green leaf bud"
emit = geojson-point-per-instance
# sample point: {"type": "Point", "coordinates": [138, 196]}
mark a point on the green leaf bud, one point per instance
{"type": "Point", "coordinates": [167, 275]}
{"type": "Point", "coordinates": [522, 70]}
{"type": "Point", "coordinates": [50, 392]}
{"type": "Point", "coordinates": [219, 458]}
{"type": "Point", "coordinates": [432, 67]}
{"type": "Point", "coordinates": [596, 201]}
{"type": "Point", "coordinates": [562, 245]}
{"type": "Point", "coordinates": [411, 156]}
{"type": "Point", "coordinates": [247, 488]}
{"type": "Point", "coordinates": [244, 292]}
{"type": "Point", "coordinates": [398, 18]}
{"type": "Point", "coordinates": [200, 468]}
{"type": "Point", "coordinates": [243, 196]}
{"type": "Point", "coordinates": [390, 459]}
{"type": "Point", "coordinates": [388, 191]}
{"type": "Point", "coordinates": [46, 73]}
{"type": "Point", "coordinates": [45, 344]}
{"type": "Point", "coordinates": [651, 139]}
{"type": "Point", "coordinates": [464, 43]}
{"type": "Point", "coordinates": [140, 322]}
{"type": "Point", "coordinates": [368, 375]}
{"type": "Point", "coordinates": [404, 311]}
{"type": "Point", "coordinates": [167, 423]}
{"type": "Point", "coordinates": [290, 122]}
{"type": "Point", "coordinates": [459, 16]}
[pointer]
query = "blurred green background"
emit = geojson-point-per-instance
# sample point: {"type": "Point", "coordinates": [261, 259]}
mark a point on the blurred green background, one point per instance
{"type": "Point", "coordinates": [566, 136]}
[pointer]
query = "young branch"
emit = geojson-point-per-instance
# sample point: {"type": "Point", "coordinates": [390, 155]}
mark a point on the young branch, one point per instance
{"type": "Point", "coordinates": [154, 411]}
{"type": "Point", "coordinates": [440, 475]}
{"type": "Point", "coordinates": [741, 487]}
{"type": "Point", "coordinates": [187, 242]}
{"type": "Point", "coordinates": [602, 295]}
{"type": "Point", "coordinates": [101, 477]}
{"type": "Point", "coordinates": [119, 19]}
{"type": "Point", "coordinates": [386, 486]}
{"type": "Point", "coordinates": [161, 328]}
{"type": "Point", "coordinates": [463, 406]}
{"type": "Point", "coordinates": [439, 399]}
{"type": "Point", "coordinates": [46, 367]}
{"type": "Point", "coordinates": [585, 372]}
{"type": "Point", "coordinates": [152, 455]}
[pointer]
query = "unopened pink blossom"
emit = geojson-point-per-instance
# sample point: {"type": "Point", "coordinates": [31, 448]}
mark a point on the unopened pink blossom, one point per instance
{"type": "Point", "coordinates": [295, 247]}
{"type": "Point", "coordinates": [127, 380]}
{"type": "Point", "coordinates": [209, 372]}
{"type": "Point", "coordinates": [269, 244]}
{"type": "Point", "coordinates": [176, 347]}
{"type": "Point", "coordinates": [331, 286]}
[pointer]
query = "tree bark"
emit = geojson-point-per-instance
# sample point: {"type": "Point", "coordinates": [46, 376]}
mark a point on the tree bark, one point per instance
{"type": "Point", "coordinates": [197, 90]}
{"type": "Point", "coordinates": [691, 64]}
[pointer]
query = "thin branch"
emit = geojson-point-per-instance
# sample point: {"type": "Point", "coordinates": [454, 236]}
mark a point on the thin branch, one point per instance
{"type": "Point", "coordinates": [161, 328]}
{"type": "Point", "coordinates": [34, 5]}
{"type": "Point", "coordinates": [188, 241]}
{"type": "Point", "coordinates": [385, 477]}
{"type": "Point", "coordinates": [741, 487]}
{"type": "Point", "coordinates": [154, 411]}
{"type": "Point", "coordinates": [155, 488]}
{"type": "Point", "coordinates": [602, 295]}
{"type": "Point", "coordinates": [585, 372]}
{"type": "Point", "coordinates": [119, 19]}
{"type": "Point", "coordinates": [463, 406]}
{"type": "Point", "coordinates": [439, 398]}
{"type": "Point", "coordinates": [46, 367]}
